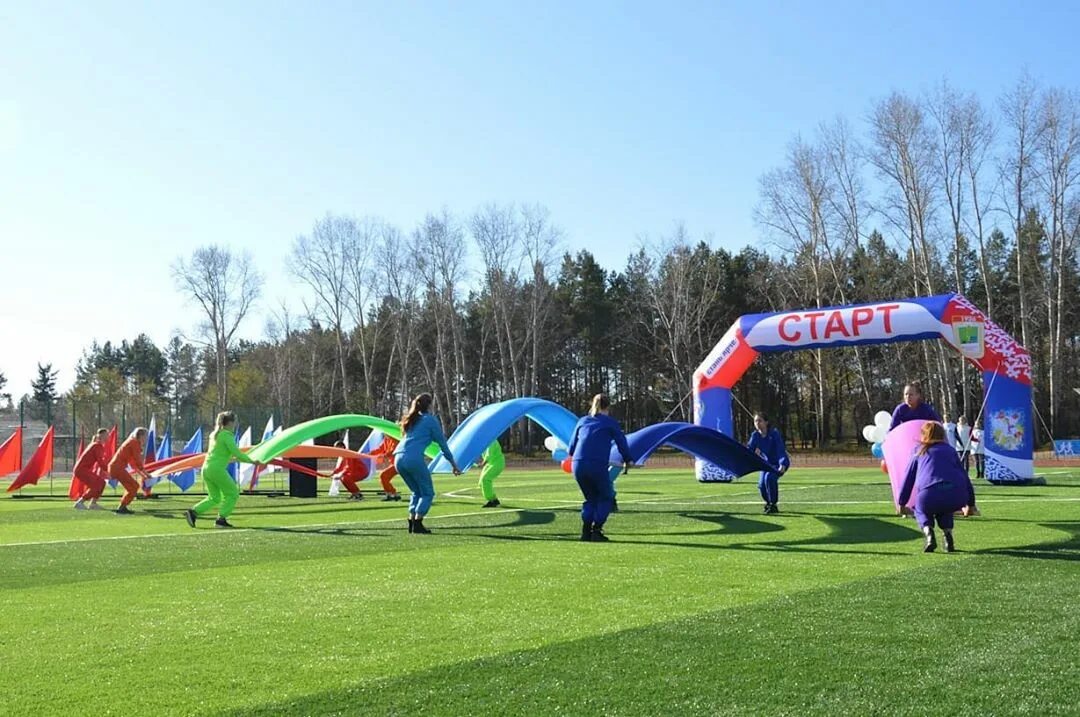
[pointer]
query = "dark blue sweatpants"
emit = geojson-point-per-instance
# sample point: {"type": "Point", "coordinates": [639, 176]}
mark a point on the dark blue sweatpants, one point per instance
{"type": "Point", "coordinates": [596, 486]}
{"type": "Point", "coordinates": [769, 487]}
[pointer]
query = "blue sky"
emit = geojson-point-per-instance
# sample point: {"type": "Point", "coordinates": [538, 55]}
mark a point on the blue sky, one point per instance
{"type": "Point", "coordinates": [132, 133]}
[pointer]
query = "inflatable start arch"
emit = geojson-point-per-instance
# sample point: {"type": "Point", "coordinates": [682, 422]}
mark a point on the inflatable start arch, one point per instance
{"type": "Point", "coordinates": [1005, 365]}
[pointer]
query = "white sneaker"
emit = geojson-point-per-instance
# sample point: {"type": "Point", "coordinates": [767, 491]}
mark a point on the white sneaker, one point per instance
{"type": "Point", "coordinates": [95, 506]}
{"type": "Point", "coordinates": [79, 505]}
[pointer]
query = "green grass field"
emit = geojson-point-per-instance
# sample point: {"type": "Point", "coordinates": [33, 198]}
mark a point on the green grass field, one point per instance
{"type": "Point", "coordinates": [699, 606]}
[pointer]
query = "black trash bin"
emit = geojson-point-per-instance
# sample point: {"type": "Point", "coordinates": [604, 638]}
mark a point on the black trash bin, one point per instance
{"type": "Point", "coordinates": [302, 485]}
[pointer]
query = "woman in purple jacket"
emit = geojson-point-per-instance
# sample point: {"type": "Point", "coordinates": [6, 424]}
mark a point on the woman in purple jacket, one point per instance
{"type": "Point", "coordinates": [913, 408]}
{"type": "Point", "coordinates": [944, 487]}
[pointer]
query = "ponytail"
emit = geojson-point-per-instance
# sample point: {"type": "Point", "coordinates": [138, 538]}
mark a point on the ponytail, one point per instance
{"type": "Point", "coordinates": [600, 402]}
{"type": "Point", "coordinates": [932, 432]}
{"type": "Point", "coordinates": [420, 404]}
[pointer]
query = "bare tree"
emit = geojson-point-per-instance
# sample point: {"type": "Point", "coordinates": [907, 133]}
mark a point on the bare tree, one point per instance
{"type": "Point", "coordinates": [1059, 142]}
{"type": "Point", "coordinates": [978, 136]}
{"type": "Point", "coordinates": [439, 254]}
{"type": "Point", "coordinates": [496, 231]}
{"type": "Point", "coordinates": [322, 261]}
{"type": "Point", "coordinates": [280, 330]}
{"type": "Point", "coordinates": [541, 245]}
{"type": "Point", "coordinates": [225, 287]}
{"type": "Point", "coordinates": [1019, 108]}
{"type": "Point", "coordinates": [903, 151]}
{"type": "Point", "coordinates": [794, 201]}
{"type": "Point", "coordinates": [843, 157]}
{"type": "Point", "coordinates": [400, 280]}
{"type": "Point", "coordinates": [361, 278]}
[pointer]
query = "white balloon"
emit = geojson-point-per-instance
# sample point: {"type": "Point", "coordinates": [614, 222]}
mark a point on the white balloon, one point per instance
{"type": "Point", "coordinates": [879, 434]}
{"type": "Point", "coordinates": [551, 443]}
{"type": "Point", "coordinates": [882, 418]}
{"type": "Point", "coordinates": [868, 433]}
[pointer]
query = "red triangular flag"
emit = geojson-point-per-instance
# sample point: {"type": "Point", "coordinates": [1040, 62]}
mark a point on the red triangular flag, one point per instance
{"type": "Point", "coordinates": [110, 444]}
{"type": "Point", "coordinates": [11, 453]}
{"type": "Point", "coordinates": [77, 487]}
{"type": "Point", "coordinates": [39, 464]}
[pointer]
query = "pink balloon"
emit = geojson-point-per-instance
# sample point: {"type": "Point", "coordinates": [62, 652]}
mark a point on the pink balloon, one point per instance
{"type": "Point", "coordinates": [898, 447]}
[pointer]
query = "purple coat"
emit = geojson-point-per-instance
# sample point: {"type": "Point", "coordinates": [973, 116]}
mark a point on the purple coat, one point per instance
{"type": "Point", "coordinates": [939, 468]}
{"type": "Point", "coordinates": [904, 413]}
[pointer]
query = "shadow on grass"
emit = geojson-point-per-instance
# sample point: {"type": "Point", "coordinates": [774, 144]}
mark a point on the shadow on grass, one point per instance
{"type": "Point", "coordinates": [520, 519]}
{"type": "Point", "coordinates": [1068, 549]}
{"type": "Point", "coordinates": [727, 524]}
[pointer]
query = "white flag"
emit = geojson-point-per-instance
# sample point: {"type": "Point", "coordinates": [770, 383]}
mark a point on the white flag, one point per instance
{"type": "Point", "coordinates": [245, 471]}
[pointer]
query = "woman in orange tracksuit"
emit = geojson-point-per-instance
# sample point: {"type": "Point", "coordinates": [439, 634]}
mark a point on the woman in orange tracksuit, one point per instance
{"type": "Point", "coordinates": [91, 469]}
{"type": "Point", "coordinates": [385, 452]}
{"type": "Point", "coordinates": [130, 454]}
{"type": "Point", "coordinates": [349, 471]}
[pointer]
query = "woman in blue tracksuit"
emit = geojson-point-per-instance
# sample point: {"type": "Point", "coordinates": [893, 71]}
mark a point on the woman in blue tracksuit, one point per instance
{"type": "Point", "coordinates": [590, 448]}
{"type": "Point", "coordinates": [419, 430]}
{"type": "Point", "coordinates": [769, 444]}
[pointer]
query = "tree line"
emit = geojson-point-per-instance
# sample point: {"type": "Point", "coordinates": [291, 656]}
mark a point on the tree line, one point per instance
{"type": "Point", "coordinates": [932, 193]}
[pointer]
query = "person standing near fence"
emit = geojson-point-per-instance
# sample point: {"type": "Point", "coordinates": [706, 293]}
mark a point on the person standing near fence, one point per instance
{"type": "Point", "coordinates": [91, 468]}
{"type": "Point", "coordinates": [963, 442]}
{"type": "Point", "coordinates": [222, 491]}
{"type": "Point", "coordinates": [419, 430]}
{"type": "Point", "coordinates": [129, 455]}
{"type": "Point", "coordinates": [978, 451]}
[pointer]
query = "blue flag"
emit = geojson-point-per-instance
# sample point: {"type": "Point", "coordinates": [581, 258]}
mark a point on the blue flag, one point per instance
{"type": "Point", "coordinates": [151, 440]}
{"type": "Point", "coordinates": [185, 479]}
{"type": "Point", "coordinates": [232, 466]}
{"type": "Point", "coordinates": [164, 450]}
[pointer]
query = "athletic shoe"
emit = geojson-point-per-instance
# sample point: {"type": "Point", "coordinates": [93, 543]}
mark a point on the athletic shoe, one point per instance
{"type": "Point", "coordinates": [356, 496]}
{"type": "Point", "coordinates": [222, 523]}
{"type": "Point", "coordinates": [598, 535]}
{"type": "Point", "coordinates": [189, 516]}
{"type": "Point", "coordinates": [768, 509]}
{"type": "Point", "coordinates": [79, 505]}
{"type": "Point", "coordinates": [124, 510]}
{"type": "Point", "coordinates": [390, 496]}
{"type": "Point", "coordinates": [418, 527]}
{"type": "Point", "coordinates": [950, 544]}
{"type": "Point", "coordinates": [931, 543]}
{"type": "Point", "coordinates": [95, 506]}
{"type": "Point", "coordinates": [586, 532]}
{"type": "Point", "coordinates": [493, 503]}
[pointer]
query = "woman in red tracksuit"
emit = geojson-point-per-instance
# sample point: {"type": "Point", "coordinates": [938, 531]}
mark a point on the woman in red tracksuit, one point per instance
{"type": "Point", "coordinates": [385, 452]}
{"type": "Point", "coordinates": [91, 469]}
{"type": "Point", "coordinates": [130, 454]}
{"type": "Point", "coordinates": [349, 471]}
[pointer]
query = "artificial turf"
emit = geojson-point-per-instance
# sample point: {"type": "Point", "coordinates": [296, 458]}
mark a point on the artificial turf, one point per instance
{"type": "Point", "coordinates": [699, 605]}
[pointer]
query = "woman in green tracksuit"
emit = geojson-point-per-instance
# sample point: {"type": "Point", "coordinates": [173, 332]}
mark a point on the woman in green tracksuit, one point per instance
{"type": "Point", "coordinates": [491, 463]}
{"type": "Point", "coordinates": [221, 489]}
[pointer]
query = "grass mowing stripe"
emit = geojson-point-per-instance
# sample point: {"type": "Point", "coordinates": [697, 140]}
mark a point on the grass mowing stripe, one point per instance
{"type": "Point", "coordinates": [954, 638]}
{"type": "Point", "coordinates": [233, 531]}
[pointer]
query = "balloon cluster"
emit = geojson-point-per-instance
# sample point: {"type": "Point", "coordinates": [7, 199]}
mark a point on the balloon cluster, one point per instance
{"type": "Point", "coordinates": [875, 435]}
{"type": "Point", "coordinates": [559, 453]}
